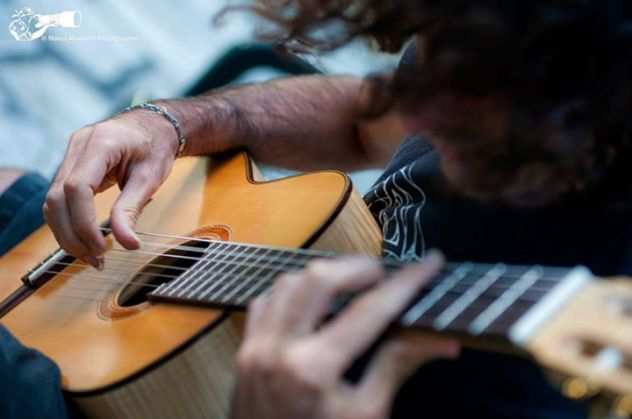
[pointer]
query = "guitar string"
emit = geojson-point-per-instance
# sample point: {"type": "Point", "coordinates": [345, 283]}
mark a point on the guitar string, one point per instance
{"type": "Point", "coordinates": [110, 291]}
{"type": "Point", "coordinates": [95, 297]}
{"type": "Point", "coordinates": [127, 261]}
{"type": "Point", "coordinates": [96, 278]}
{"type": "Point", "coordinates": [306, 252]}
{"type": "Point", "coordinates": [477, 305]}
{"type": "Point", "coordinates": [221, 263]}
{"type": "Point", "coordinates": [107, 292]}
{"type": "Point", "coordinates": [261, 282]}
{"type": "Point", "coordinates": [233, 261]}
{"type": "Point", "coordinates": [297, 264]}
{"type": "Point", "coordinates": [270, 282]}
{"type": "Point", "coordinates": [271, 268]}
{"type": "Point", "coordinates": [188, 248]}
{"type": "Point", "coordinates": [79, 278]}
{"type": "Point", "coordinates": [134, 270]}
{"type": "Point", "coordinates": [80, 297]}
{"type": "Point", "coordinates": [293, 252]}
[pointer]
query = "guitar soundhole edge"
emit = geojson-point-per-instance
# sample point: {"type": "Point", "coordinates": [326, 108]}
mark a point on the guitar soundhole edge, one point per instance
{"type": "Point", "coordinates": [160, 270]}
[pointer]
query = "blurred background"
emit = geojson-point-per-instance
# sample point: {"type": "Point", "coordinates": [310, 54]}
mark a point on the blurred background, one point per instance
{"type": "Point", "coordinates": [121, 51]}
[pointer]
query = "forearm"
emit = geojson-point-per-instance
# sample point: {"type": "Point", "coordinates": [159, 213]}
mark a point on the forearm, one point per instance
{"type": "Point", "coordinates": [302, 123]}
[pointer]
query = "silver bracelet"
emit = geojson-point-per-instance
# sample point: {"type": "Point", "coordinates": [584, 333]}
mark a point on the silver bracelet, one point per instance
{"type": "Point", "coordinates": [182, 141]}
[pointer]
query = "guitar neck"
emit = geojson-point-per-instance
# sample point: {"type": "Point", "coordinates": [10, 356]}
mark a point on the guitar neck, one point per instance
{"type": "Point", "coordinates": [500, 301]}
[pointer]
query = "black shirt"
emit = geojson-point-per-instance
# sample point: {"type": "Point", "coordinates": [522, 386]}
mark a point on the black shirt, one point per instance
{"type": "Point", "coordinates": [411, 204]}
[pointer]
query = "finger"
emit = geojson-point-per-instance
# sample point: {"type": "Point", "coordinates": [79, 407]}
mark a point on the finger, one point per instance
{"type": "Point", "coordinates": [76, 147]}
{"type": "Point", "coordinates": [300, 301]}
{"type": "Point", "coordinates": [257, 316]}
{"type": "Point", "coordinates": [58, 218]}
{"type": "Point", "coordinates": [138, 190]}
{"type": "Point", "coordinates": [80, 174]}
{"type": "Point", "coordinates": [369, 315]}
{"type": "Point", "coordinates": [80, 188]}
{"type": "Point", "coordinates": [55, 209]}
{"type": "Point", "coordinates": [395, 362]}
{"type": "Point", "coordinates": [285, 296]}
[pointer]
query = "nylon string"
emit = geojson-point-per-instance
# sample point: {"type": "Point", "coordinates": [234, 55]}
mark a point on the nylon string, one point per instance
{"type": "Point", "coordinates": [240, 259]}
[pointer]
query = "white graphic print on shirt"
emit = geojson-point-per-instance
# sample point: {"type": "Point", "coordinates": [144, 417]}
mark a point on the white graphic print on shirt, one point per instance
{"type": "Point", "coordinates": [397, 203]}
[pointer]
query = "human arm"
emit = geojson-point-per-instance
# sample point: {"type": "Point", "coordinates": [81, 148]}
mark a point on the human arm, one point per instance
{"type": "Point", "coordinates": [302, 123]}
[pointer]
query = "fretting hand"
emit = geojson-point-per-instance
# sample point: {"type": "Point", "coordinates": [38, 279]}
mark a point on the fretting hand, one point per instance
{"type": "Point", "coordinates": [291, 368]}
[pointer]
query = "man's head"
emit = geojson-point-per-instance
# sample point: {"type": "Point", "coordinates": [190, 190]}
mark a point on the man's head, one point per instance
{"type": "Point", "coordinates": [527, 101]}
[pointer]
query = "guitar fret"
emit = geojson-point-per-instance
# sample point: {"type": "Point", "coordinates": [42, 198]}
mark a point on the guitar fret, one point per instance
{"type": "Point", "coordinates": [215, 280]}
{"type": "Point", "coordinates": [481, 303]}
{"type": "Point", "coordinates": [249, 294]}
{"type": "Point", "coordinates": [495, 292]}
{"type": "Point", "coordinates": [263, 285]}
{"type": "Point", "coordinates": [452, 312]}
{"type": "Point", "coordinates": [570, 283]}
{"type": "Point", "coordinates": [224, 280]}
{"type": "Point", "coordinates": [468, 298]}
{"type": "Point", "coordinates": [256, 290]}
{"type": "Point", "coordinates": [418, 310]}
{"type": "Point", "coordinates": [217, 292]}
{"type": "Point", "coordinates": [503, 324]}
{"type": "Point", "coordinates": [203, 279]}
{"type": "Point", "coordinates": [173, 286]}
{"type": "Point", "coordinates": [505, 301]}
{"type": "Point", "coordinates": [428, 318]}
{"type": "Point", "coordinates": [262, 278]}
{"type": "Point", "coordinates": [182, 278]}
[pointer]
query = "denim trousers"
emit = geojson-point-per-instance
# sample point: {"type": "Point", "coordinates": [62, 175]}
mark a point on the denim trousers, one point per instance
{"type": "Point", "coordinates": [30, 383]}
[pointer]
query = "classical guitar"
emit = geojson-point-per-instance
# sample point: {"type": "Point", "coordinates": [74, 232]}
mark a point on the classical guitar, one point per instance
{"type": "Point", "coordinates": [153, 335]}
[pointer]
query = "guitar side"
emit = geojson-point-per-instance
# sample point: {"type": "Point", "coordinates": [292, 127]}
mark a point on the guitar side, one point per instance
{"type": "Point", "coordinates": [159, 360]}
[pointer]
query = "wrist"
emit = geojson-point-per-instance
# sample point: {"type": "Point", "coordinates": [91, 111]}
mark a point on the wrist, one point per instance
{"type": "Point", "coordinates": [160, 112]}
{"type": "Point", "coordinates": [146, 130]}
{"type": "Point", "coordinates": [213, 122]}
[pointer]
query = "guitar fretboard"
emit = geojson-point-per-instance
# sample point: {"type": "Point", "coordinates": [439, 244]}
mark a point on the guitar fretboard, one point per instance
{"type": "Point", "coordinates": [469, 298]}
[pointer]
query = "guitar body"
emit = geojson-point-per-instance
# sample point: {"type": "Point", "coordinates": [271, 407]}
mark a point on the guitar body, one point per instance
{"type": "Point", "coordinates": [153, 360]}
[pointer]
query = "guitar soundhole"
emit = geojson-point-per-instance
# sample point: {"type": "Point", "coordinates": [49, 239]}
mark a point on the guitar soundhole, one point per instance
{"type": "Point", "coordinates": [160, 270]}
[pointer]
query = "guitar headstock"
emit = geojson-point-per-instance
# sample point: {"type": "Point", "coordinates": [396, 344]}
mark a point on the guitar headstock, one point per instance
{"type": "Point", "coordinates": [589, 341]}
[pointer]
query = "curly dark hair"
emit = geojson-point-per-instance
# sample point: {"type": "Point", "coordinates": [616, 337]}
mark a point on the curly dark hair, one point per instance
{"type": "Point", "coordinates": [565, 66]}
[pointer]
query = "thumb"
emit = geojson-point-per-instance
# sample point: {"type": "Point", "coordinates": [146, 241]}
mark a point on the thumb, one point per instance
{"type": "Point", "coordinates": [137, 191]}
